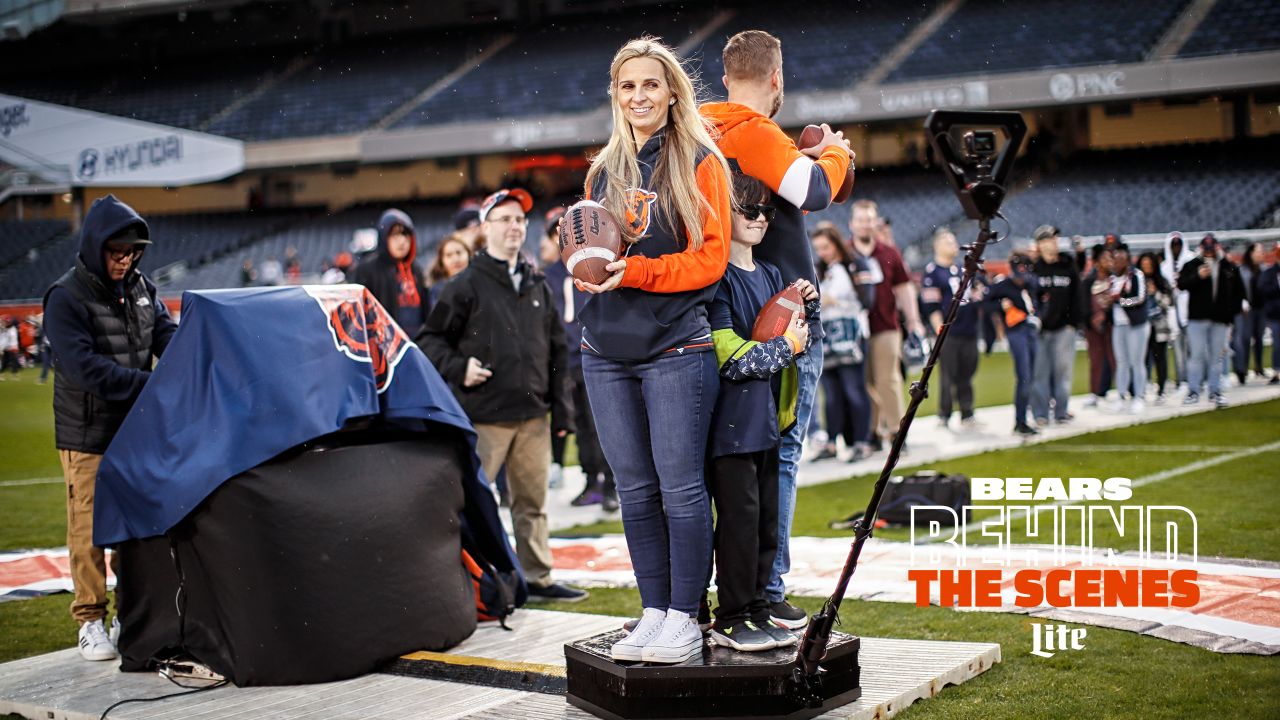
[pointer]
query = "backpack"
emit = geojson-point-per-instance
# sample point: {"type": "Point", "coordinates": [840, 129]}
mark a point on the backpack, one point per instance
{"type": "Point", "coordinates": [495, 594]}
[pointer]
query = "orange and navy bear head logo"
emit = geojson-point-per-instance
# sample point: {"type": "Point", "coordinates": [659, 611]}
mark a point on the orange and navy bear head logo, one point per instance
{"type": "Point", "coordinates": [363, 330]}
{"type": "Point", "coordinates": [640, 210]}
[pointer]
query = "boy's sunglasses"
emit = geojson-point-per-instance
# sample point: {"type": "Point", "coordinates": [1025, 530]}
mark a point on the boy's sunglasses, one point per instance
{"type": "Point", "coordinates": [751, 211]}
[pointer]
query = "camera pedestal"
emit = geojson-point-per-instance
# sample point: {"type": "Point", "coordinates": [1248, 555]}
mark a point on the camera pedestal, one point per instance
{"type": "Point", "coordinates": [719, 683]}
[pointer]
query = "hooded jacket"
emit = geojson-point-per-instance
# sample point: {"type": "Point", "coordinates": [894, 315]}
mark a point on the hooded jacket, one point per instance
{"type": "Point", "coordinates": [757, 146]}
{"type": "Point", "coordinates": [1170, 266]}
{"type": "Point", "coordinates": [517, 334]}
{"type": "Point", "coordinates": [381, 274]}
{"type": "Point", "coordinates": [1058, 305]}
{"type": "Point", "coordinates": [1202, 302]}
{"type": "Point", "coordinates": [661, 304]}
{"type": "Point", "coordinates": [103, 334]}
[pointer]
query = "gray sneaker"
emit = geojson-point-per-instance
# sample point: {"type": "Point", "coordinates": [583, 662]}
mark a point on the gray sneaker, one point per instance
{"type": "Point", "coordinates": [744, 636]}
{"type": "Point", "coordinates": [782, 637]}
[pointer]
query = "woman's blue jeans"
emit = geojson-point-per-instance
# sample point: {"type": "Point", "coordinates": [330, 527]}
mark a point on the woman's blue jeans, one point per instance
{"type": "Point", "coordinates": [653, 418]}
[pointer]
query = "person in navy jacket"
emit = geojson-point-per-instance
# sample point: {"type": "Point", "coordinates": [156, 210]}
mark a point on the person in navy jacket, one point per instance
{"type": "Point", "coordinates": [647, 355]}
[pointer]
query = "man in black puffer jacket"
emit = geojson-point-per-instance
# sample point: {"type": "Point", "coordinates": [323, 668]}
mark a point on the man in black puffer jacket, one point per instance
{"type": "Point", "coordinates": [496, 337]}
{"type": "Point", "coordinates": [104, 324]}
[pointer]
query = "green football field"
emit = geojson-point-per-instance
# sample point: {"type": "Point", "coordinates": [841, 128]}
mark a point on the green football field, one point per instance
{"type": "Point", "coordinates": [1223, 466]}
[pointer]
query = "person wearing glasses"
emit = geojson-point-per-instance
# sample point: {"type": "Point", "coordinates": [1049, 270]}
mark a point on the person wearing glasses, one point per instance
{"type": "Point", "coordinates": [757, 404]}
{"type": "Point", "coordinates": [647, 355]}
{"type": "Point", "coordinates": [800, 180]}
{"type": "Point", "coordinates": [104, 324]}
{"type": "Point", "coordinates": [496, 338]}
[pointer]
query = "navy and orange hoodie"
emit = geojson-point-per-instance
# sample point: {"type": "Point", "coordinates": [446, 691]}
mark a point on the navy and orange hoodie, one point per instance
{"type": "Point", "coordinates": [756, 145]}
{"type": "Point", "coordinates": [661, 305]}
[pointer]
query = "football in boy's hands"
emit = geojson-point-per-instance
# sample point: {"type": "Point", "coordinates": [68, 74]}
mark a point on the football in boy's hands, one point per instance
{"type": "Point", "coordinates": [811, 136]}
{"type": "Point", "coordinates": [590, 239]}
{"type": "Point", "coordinates": [776, 314]}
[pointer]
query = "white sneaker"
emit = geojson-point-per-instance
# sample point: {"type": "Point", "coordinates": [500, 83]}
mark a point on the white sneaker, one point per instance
{"type": "Point", "coordinates": [1136, 407]}
{"type": "Point", "coordinates": [1091, 401]}
{"type": "Point", "coordinates": [632, 646]}
{"type": "Point", "coordinates": [679, 640]}
{"type": "Point", "coordinates": [114, 635]}
{"type": "Point", "coordinates": [555, 476]}
{"type": "Point", "coordinates": [94, 643]}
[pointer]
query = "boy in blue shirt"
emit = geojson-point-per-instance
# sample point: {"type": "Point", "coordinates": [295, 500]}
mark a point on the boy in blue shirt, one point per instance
{"type": "Point", "coordinates": [756, 403]}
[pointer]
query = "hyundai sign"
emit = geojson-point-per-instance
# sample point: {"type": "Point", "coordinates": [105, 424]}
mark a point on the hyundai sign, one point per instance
{"type": "Point", "coordinates": [89, 148]}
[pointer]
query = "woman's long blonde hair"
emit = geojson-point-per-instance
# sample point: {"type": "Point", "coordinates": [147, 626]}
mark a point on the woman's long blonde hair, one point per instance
{"type": "Point", "coordinates": [675, 177]}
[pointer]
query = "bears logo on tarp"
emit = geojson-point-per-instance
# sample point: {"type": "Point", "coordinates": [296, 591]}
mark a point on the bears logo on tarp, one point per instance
{"type": "Point", "coordinates": [362, 329]}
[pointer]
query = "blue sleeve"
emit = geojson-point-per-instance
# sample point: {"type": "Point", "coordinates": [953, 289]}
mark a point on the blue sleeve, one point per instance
{"type": "Point", "coordinates": [66, 323]}
{"type": "Point", "coordinates": [819, 195]}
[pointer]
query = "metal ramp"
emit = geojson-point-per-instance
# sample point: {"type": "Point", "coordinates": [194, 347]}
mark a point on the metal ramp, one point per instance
{"type": "Point", "coordinates": [61, 686]}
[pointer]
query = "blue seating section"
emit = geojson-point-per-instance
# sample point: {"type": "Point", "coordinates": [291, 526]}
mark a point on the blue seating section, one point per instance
{"type": "Point", "coordinates": [321, 238]}
{"type": "Point", "coordinates": [1205, 187]}
{"type": "Point", "coordinates": [29, 277]}
{"type": "Point", "coordinates": [19, 239]}
{"type": "Point", "coordinates": [1236, 26]}
{"type": "Point", "coordinates": [347, 89]}
{"type": "Point", "coordinates": [183, 94]}
{"type": "Point", "coordinates": [558, 68]}
{"type": "Point", "coordinates": [986, 36]}
{"type": "Point", "coordinates": [826, 45]}
{"type": "Point", "coordinates": [195, 238]}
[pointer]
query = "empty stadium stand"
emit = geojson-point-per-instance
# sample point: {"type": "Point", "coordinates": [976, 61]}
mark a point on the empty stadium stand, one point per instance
{"type": "Point", "coordinates": [826, 45]}
{"type": "Point", "coordinates": [18, 239]}
{"type": "Point", "coordinates": [986, 36]}
{"type": "Point", "coordinates": [1236, 26]}
{"type": "Point", "coordinates": [558, 68]}
{"type": "Point", "coordinates": [348, 89]}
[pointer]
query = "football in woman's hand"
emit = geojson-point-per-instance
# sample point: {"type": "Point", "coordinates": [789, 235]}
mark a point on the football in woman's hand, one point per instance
{"type": "Point", "coordinates": [811, 136]}
{"type": "Point", "coordinates": [776, 314]}
{"type": "Point", "coordinates": [589, 240]}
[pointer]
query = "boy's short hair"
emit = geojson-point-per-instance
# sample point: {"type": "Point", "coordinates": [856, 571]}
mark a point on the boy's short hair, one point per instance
{"type": "Point", "coordinates": [752, 55]}
{"type": "Point", "coordinates": [748, 190]}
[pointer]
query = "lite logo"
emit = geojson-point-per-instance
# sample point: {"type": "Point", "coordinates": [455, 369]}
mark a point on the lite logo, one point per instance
{"type": "Point", "coordinates": [1046, 640]}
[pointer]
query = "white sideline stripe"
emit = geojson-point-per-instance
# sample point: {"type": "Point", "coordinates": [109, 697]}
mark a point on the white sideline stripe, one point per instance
{"type": "Point", "coordinates": [592, 252]}
{"type": "Point", "coordinates": [1145, 448]}
{"type": "Point", "coordinates": [1148, 479]}
{"type": "Point", "coordinates": [31, 481]}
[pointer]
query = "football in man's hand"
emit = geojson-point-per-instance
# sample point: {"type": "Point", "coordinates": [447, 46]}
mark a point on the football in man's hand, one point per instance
{"type": "Point", "coordinates": [589, 240]}
{"type": "Point", "coordinates": [776, 314]}
{"type": "Point", "coordinates": [811, 136]}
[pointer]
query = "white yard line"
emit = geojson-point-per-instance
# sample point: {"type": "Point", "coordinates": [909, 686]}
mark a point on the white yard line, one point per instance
{"type": "Point", "coordinates": [31, 481]}
{"type": "Point", "coordinates": [1145, 448]}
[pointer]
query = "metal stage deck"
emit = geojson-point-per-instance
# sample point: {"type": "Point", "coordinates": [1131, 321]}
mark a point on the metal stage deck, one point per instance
{"type": "Point", "coordinates": [58, 686]}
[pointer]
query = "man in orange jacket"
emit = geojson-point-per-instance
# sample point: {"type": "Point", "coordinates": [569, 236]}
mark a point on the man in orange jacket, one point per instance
{"type": "Point", "coordinates": [800, 180]}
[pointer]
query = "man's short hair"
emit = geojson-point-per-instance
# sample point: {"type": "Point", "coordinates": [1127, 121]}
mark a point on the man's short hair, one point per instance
{"type": "Point", "coordinates": [752, 55]}
{"type": "Point", "coordinates": [867, 205]}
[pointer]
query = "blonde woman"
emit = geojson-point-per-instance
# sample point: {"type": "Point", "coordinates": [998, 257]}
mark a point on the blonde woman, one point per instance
{"type": "Point", "coordinates": [647, 355]}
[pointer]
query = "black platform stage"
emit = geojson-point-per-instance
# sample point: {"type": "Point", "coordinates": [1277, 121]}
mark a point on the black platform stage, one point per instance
{"type": "Point", "coordinates": [721, 683]}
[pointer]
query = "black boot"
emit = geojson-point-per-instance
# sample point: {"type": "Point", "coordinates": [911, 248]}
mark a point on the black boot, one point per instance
{"type": "Point", "coordinates": [609, 501]}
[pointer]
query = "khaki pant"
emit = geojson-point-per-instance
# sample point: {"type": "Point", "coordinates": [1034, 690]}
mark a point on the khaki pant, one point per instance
{"type": "Point", "coordinates": [525, 447]}
{"type": "Point", "coordinates": [884, 382]}
{"type": "Point", "coordinates": [88, 566]}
